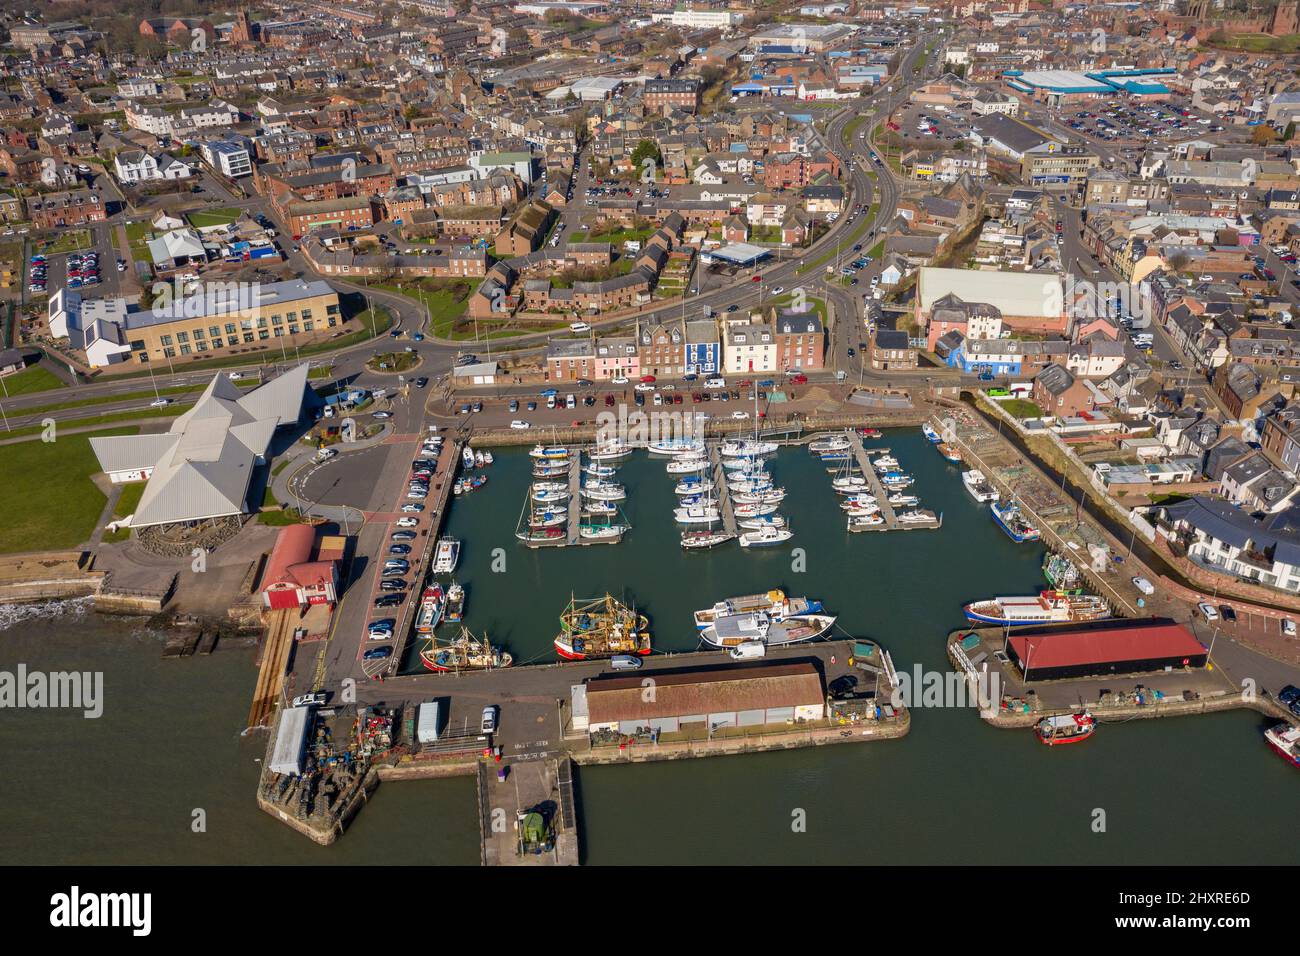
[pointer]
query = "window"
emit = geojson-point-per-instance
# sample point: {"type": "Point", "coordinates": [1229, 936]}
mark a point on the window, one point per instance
{"type": "Point", "coordinates": [198, 335]}
{"type": "Point", "coordinates": [182, 336]}
{"type": "Point", "coordinates": [230, 328]}
{"type": "Point", "coordinates": [138, 346]}
{"type": "Point", "coordinates": [201, 346]}
{"type": "Point", "coordinates": [275, 320]}
{"type": "Point", "coordinates": [185, 350]}
{"type": "Point", "coordinates": [166, 340]}
{"type": "Point", "coordinates": [215, 330]}
{"type": "Point", "coordinates": [216, 343]}
{"type": "Point", "coordinates": [169, 352]}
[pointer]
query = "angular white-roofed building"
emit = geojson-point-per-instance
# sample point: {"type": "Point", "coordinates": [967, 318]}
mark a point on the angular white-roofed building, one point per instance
{"type": "Point", "coordinates": [203, 466]}
{"type": "Point", "coordinates": [948, 299]}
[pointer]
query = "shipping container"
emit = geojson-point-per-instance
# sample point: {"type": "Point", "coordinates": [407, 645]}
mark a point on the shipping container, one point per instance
{"type": "Point", "coordinates": [291, 740]}
{"type": "Point", "coordinates": [428, 722]}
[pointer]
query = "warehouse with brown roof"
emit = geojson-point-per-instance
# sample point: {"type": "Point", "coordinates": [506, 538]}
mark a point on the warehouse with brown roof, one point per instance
{"type": "Point", "coordinates": [711, 698]}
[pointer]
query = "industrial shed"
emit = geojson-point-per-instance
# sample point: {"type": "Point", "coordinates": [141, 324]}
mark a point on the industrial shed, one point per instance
{"type": "Point", "coordinates": [736, 696]}
{"type": "Point", "coordinates": [1057, 653]}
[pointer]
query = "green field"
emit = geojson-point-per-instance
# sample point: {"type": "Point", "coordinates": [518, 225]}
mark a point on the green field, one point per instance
{"type": "Point", "coordinates": [30, 380]}
{"type": "Point", "coordinates": [1021, 408]}
{"type": "Point", "coordinates": [212, 217]}
{"type": "Point", "coordinates": [69, 240]}
{"type": "Point", "coordinates": [60, 505]}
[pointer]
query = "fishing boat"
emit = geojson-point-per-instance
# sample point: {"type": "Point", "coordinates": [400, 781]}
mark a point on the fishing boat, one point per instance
{"type": "Point", "coordinates": [747, 448]}
{"type": "Point", "coordinates": [863, 522]}
{"type": "Point", "coordinates": [465, 652]}
{"type": "Point", "coordinates": [764, 537]}
{"type": "Point", "coordinates": [900, 500]}
{"type": "Point", "coordinates": [831, 443]}
{"type": "Point", "coordinates": [686, 465]}
{"type": "Point", "coordinates": [467, 456]}
{"type": "Point", "coordinates": [774, 603]}
{"type": "Point", "coordinates": [756, 522]}
{"type": "Point", "coordinates": [610, 451]}
{"type": "Point", "coordinates": [467, 484]}
{"type": "Point", "coordinates": [432, 603]}
{"type": "Point", "coordinates": [601, 627]}
{"type": "Point", "coordinates": [752, 509]}
{"type": "Point", "coordinates": [542, 518]}
{"type": "Point", "coordinates": [539, 535]}
{"type": "Point", "coordinates": [735, 629]}
{"type": "Point", "coordinates": [700, 540]}
{"type": "Point", "coordinates": [1011, 521]}
{"type": "Point", "coordinates": [1066, 728]}
{"type": "Point", "coordinates": [603, 491]}
{"type": "Point", "coordinates": [949, 452]}
{"type": "Point", "coordinates": [978, 486]}
{"type": "Point", "coordinates": [597, 508]}
{"type": "Point", "coordinates": [600, 471]}
{"type": "Point", "coordinates": [1061, 573]}
{"type": "Point", "coordinates": [455, 608]}
{"type": "Point", "coordinates": [697, 514]}
{"type": "Point", "coordinates": [1047, 607]}
{"type": "Point", "coordinates": [693, 486]}
{"type": "Point", "coordinates": [1285, 741]}
{"type": "Point", "coordinates": [931, 435]}
{"type": "Point", "coordinates": [446, 555]}
{"type": "Point", "coordinates": [549, 495]}
{"type": "Point", "coordinates": [677, 447]}
{"type": "Point", "coordinates": [549, 452]}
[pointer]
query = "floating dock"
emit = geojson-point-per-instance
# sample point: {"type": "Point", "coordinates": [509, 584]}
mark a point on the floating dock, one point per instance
{"type": "Point", "coordinates": [877, 489]}
{"type": "Point", "coordinates": [575, 497]}
{"type": "Point", "coordinates": [723, 490]}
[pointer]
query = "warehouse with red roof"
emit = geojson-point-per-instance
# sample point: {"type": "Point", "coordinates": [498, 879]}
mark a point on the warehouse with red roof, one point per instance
{"type": "Point", "coordinates": [1135, 648]}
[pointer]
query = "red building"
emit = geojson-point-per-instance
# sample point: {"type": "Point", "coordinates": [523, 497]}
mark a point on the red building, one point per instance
{"type": "Point", "coordinates": [293, 579]}
{"type": "Point", "coordinates": [800, 340]}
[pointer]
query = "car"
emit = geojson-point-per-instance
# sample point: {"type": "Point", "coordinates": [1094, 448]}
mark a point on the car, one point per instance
{"type": "Point", "coordinates": [1207, 611]}
{"type": "Point", "coordinates": [739, 415]}
{"type": "Point", "coordinates": [1289, 694]}
{"type": "Point", "coordinates": [408, 522]}
{"type": "Point", "coordinates": [797, 378]}
{"type": "Point", "coordinates": [531, 406]}
{"type": "Point", "coordinates": [609, 401]}
{"type": "Point", "coordinates": [417, 495]}
{"type": "Point", "coordinates": [402, 536]}
{"type": "Point", "coordinates": [644, 387]}
{"type": "Point", "coordinates": [777, 290]}
{"type": "Point", "coordinates": [519, 424]}
{"type": "Point", "coordinates": [488, 724]}
{"type": "Point", "coordinates": [852, 352]}
{"type": "Point", "coordinates": [638, 399]}
{"type": "Point", "coordinates": [514, 405]}
{"type": "Point", "coordinates": [1288, 627]}
{"type": "Point", "coordinates": [160, 403]}
{"type": "Point", "coordinates": [412, 509]}
{"type": "Point", "coordinates": [548, 393]}
{"type": "Point", "coordinates": [378, 653]}
{"type": "Point", "coordinates": [309, 700]}
{"type": "Point", "coordinates": [625, 662]}
{"type": "Point", "coordinates": [383, 415]}
{"type": "Point", "coordinates": [390, 600]}
{"type": "Point", "coordinates": [478, 407]}
{"type": "Point", "coordinates": [756, 279]}
{"type": "Point", "coordinates": [1143, 585]}
{"type": "Point", "coordinates": [843, 687]}
{"type": "Point", "coordinates": [399, 549]}
{"type": "Point", "coordinates": [618, 380]}
{"type": "Point", "coordinates": [392, 584]}
{"type": "Point", "coordinates": [421, 382]}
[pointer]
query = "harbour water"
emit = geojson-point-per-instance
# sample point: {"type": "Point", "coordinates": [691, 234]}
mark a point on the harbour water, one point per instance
{"type": "Point", "coordinates": [124, 788]}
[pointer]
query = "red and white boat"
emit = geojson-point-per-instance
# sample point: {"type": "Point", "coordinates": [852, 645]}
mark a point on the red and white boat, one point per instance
{"type": "Point", "coordinates": [1285, 740]}
{"type": "Point", "coordinates": [1066, 728]}
{"type": "Point", "coordinates": [432, 603]}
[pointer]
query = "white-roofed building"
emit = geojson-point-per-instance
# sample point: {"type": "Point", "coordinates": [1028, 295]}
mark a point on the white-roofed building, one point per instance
{"type": "Point", "coordinates": [202, 467]}
{"type": "Point", "coordinates": [951, 299]}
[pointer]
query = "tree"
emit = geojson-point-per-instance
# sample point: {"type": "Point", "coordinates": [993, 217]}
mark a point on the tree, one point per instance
{"type": "Point", "coordinates": [646, 149]}
{"type": "Point", "coordinates": [1263, 134]}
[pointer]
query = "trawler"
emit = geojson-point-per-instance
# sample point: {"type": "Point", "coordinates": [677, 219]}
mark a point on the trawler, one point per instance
{"type": "Point", "coordinates": [1061, 573]}
{"type": "Point", "coordinates": [601, 627]}
{"type": "Point", "coordinates": [446, 556]}
{"type": "Point", "coordinates": [432, 603]}
{"type": "Point", "coordinates": [759, 626]}
{"type": "Point", "coordinates": [930, 434]}
{"type": "Point", "coordinates": [978, 486]}
{"type": "Point", "coordinates": [1066, 728]}
{"type": "Point", "coordinates": [774, 603]}
{"type": "Point", "coordinates": [465, 652]}
{"type": "Point", "coordinates": [455, 608]}
{"type": "Point", "coordinates": [1285, 741]}
{"type": "Point", "coordinates": [1011, 521]}
{"type": "Point", "coordinates": [1048, 607]}
{"type": "Point", "coordinates": [949, 452]}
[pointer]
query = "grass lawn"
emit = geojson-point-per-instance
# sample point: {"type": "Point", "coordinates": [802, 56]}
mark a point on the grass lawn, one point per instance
{"type": "Point", "coordinates": [69, 240]}
{"type": "Point", "coordinates": [1021, 408]}
{"type": "Point", "coordinates": [137, 236]}
{"type": "Point", "coordinates": [29, 380]}
{"type": "Point", "coordinates": [127, 502]}
{"type": "Point", "coordinates": [60, 504]}
{"type": "Point", "coordinates": [279, 519]}
{"type": "Point", "coordinates": [213, 217]}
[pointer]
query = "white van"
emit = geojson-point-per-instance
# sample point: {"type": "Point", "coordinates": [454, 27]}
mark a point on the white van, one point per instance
{"type": "Point", "coordinates": [579, 327]}
{"type": "Point", "coordinates": [570, 401]}
{"type": "Point", "coordinates": [1143, 585]}
{"type": "Point", "coordinates": [748, 651]}
{"type": "Point", "coordinates": [716, 383]}
{"type": "Point", "coordinates": [625, 662]}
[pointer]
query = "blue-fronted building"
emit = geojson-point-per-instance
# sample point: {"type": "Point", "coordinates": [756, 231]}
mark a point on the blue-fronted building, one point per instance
{"type": "Point", "coordinates": [703, 347]}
